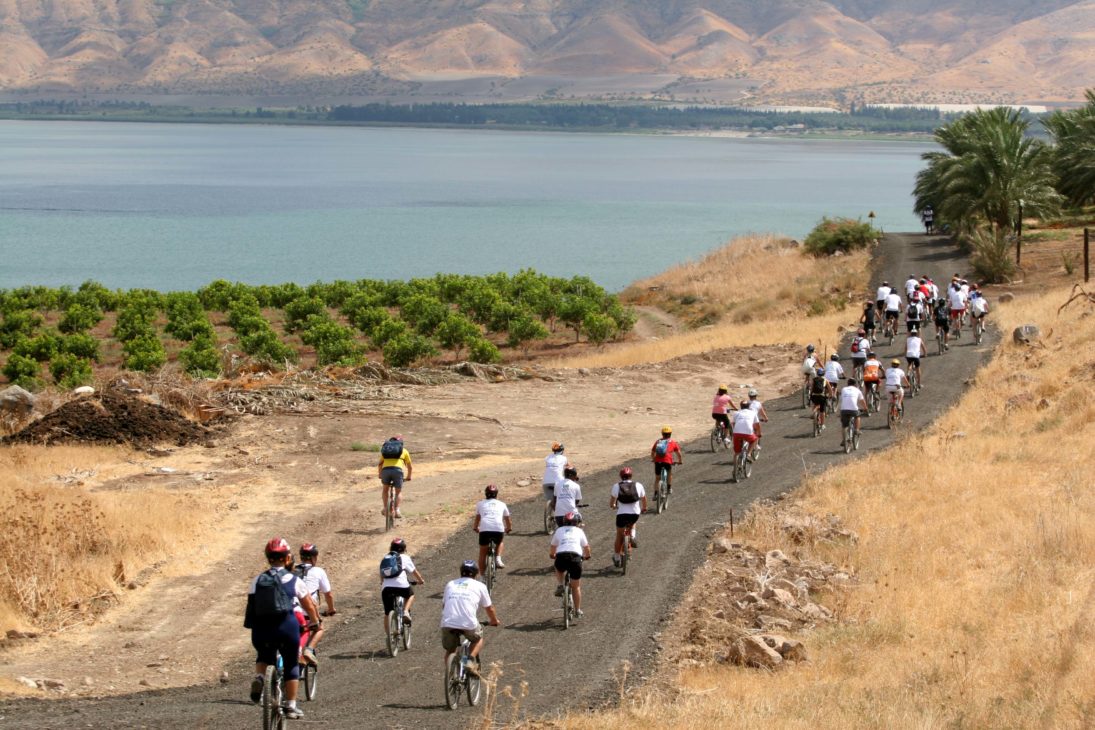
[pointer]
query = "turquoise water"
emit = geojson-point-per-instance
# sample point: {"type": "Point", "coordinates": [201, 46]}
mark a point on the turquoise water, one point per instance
{"type": "Point", "coordinates": [176, 206]}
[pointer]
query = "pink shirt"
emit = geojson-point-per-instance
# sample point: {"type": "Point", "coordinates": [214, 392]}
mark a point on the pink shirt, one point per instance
{"type": "Point", "coordinates": [720, 404]}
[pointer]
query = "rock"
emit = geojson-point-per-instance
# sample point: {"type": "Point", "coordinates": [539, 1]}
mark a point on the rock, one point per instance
{"type": "Point", "coordinates": [17, 401]}
{"type": "Point", "coordinates": [51, 684]}
{"type": "Point", "coordinates": [720, 614]}
{"type": "Point", "coordinates": [767, 622]}
{"type": "Point", "coordinates": [789, 649]}
{"type": "Point", "coordinates": [27, 682]}
{"type": "Point", "coordinates": [816, 612]}
{"type": "Point", "coordinates": [751, 651]}
{"type": "Point", "coordinates": [780, 596]}
{"type": "Point", "coordinates": [1005, 297]}
{"type": "Point", "coordinates": [145, 683]}
{"type": "Point", "coordinates": [17, 634]}
{"type": "Point", "coordinates": [88, 681]}
{"type": "Point", "coordinates": [721, 545]}
{"type": "Point", "coordinates": [84, 390]}
{"type": "Point", "coordinates": [583, 371]}
{"type": "Point", "coordinates": [775, 559]}
{"type": "Point", "coordinates": [523, 483]}
{"type": "Point", "coordinates": [224, 677]}
{"type": "Point", "coordinates": [1026, 334]}
{"type": "Point", "coordinates": [1043, 404]}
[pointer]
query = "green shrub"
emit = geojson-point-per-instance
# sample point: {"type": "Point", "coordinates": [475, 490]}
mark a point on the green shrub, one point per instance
{"type": "Point", "coordinates": [386, 331]}
{"type": "Point", "coordinates": [524, 330]}
{"type": "Point", "coordinates": [424, 313]}
{"type": "Point", "coordinates": [573, 310]}
{"type": "Point", "coordinates": [299, 311]}
{"type": "Point", "coordinates": [17, 324]}
{"type": "Point", "coordinates": [369, 318]}
{"type": "Point", "coordinates": [144, 352]}
{"type": "Point", "coordinates": [265, 347]}
{"type": "Point", "coordinates": [93, 294]}
{"type": "Point", "coordinates": [81, 345]}
{"type": "Point", "coordinates": [186, 318]}
{"type": "Point", "coordinates": [838, 234]}
{"type": "Point", "coordinates": [405, 349]}
{"type": "Point", "coordinates": [137, 316]}
{"type": "Point", "coordinates": [69, 371]}
{"type": "Point", "coordinates": [200, 359]}
{"type": "Point", "coordinates": [483, 350]}
{"type": "Point", "coordinates": [334, 343]}
{"type": "Point", "coordinates": [79, 318]}
{"type": "Point", "coordinates": [41, 347]}
{"type": "Point", "coordinates": [23, 371]}
{"type": "Point", "coordinates": [599, 327]}
{"type": "Point", "coordinates": [456, 331]}
{"type": "Point", "coordinates": [993, 257]}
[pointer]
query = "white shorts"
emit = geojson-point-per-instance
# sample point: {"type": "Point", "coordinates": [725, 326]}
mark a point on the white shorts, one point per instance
{"type": "Point", "coordinates": [895, 389]}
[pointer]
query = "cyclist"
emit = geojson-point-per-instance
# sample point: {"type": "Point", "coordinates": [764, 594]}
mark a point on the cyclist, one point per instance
{"type": "Point", "coordinates": [957, 304]}
{"type": "Point", "coordinates": [860, 347]}
{"type": "Point", "coordinates": [834, 371]}
{"type": "Point", "coordinates": [872, 373]}
{"type": "Point", "coordinates": [896, 382]}
{"type": "Point", "coordinates": [928, 217]}
{"type": "Point", "coordinates": [914, 350]}
{"type": "Point", "coordinates": [762, 415]}
{"type": "Point", "coordinates": [852, 403]}
{"type": "Point", "coordinates": [397, 584]}
{"type": "Point", "coordinates": [568, 493]}
{"type": "Point", "coordinates": [979, 306]}
{"type": "Point", "coordinates": [628, 498]}
{"type": "Point", "coordinates": [880, 296]}
{"type": "Point", "coordinates": [868, 319]}
{"type": "Point", "coordinates": [274, 625]}
{"type": "Point", "coordinates": [492, 522]}
{"type": "Point", "coordinates": [316, 581]}
{"type": "Point", "coordinates": [464, 596]}
{"type": "Point", "coordinates": [394, 468]}
{"type": "Point", "coordinates": [942, 319]}
{"type": "Point", "coordinates": [809, 363]}
{"type": "Point", "coordinates": [911, 285]}
{"type": "Point", "coordinates": [662, 454]}
{"type": "Point", "coordinates": [820, 391]}
{"type": "Point", "coordinates": [914, 314]}
{"type": "Point", "coordinates": [746, 427]}
{"type": "Point", "coordinates": [554, 464]}
{"type": "Point", "coordinates": [719, 407]}
{"type": "Point", "coordinates": [569, 547]}
{"type": "Point", "coordinates": [893, 306]}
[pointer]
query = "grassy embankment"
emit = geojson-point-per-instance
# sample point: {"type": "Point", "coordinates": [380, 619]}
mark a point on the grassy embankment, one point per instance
{"type": "Point", "coordinates": [755, 290]}
{"type": "Point", "coordinates": [976, 566]}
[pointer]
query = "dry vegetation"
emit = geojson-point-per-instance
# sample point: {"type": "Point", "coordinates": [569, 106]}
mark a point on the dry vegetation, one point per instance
{"type": "Point", "coordinates": [756, 290]}
{"type": "Point", "coordinates": [66, 551]}
{"type": "Point", "coordinates": [976, 591]}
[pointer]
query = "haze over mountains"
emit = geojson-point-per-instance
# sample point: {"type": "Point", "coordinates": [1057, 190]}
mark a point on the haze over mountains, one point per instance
{"type": "Point", "coordinates": [776, 51]}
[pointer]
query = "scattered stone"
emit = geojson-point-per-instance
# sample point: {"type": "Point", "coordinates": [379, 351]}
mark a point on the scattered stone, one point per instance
{"type": "Point", "coordinates": [789, 649]}
{"type": "Point", "coordinates": [752, 651]}
{"type": "Point", "coordinates": [145, 683]}
{"type": "Point", "coordinates": [17, 401]}
{"type": "Point", "coordinates": [27, 682]}
{"type": "Point", "coordinates": [51, 684]}
{"type": "Point", "coordinates": [1005, 297]}
{"type": "Point", "coordinates": [84, 390]}
{"type": "Point", "coordinates": [780, 596]}
{"type": "Point", "coordinates": [583, 371]}
{"type": "Point", "coordinates": [1026, 334]}
{"type": "Point", "coordinates": [17, 634]}
{"type": "Point", "coordinates": [721, 545]}
{"type": "Point", "coordinates": [720, 614]}
{"type": "Point", "coordinates": [224, 677]}
{"type": "Point", "coordinates": [523, 483]}
{"type": "Point", "coordinates": [1043, 404]}
{"type": "Point", "coordinates": [88, 681]}
{"type": "Point", "coordinates": [775, 559]}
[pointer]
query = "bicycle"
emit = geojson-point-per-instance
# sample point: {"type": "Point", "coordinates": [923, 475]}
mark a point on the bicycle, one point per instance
{"type": "Point", "coordinates": [458, 680]}
{"type": "Point", "coordinates": [851, 437]}
{"type": "Point", "coordinates": [570, 612]}
{"type": "Point", "coordinates": [889, 329]}
{"type": "Point", "coordinates": [940, 344]}
{"type": "Point", "coordinates": [272, 687]}
{"type": "Point", "coordinates": [308, 671]}
{"type": "Point", "coordinates": [490, 568]}
{"type": "Point", "coordinates": [661, 491]}
{"type": "Point", "coordinates": [817, 422]}
{"type": "Point", "coordinates": [874, 399]}
{"type": "Point", "coordinates": [399, 631]}
{"type": "Point", "coordinates": [914, 380]}
{"type": "Point", "coordinates": [549, 518]}
{"type": "Point", "coordinates": [624, 558]}
{"type": "Point", "coordinates": [857, 373]}
{"type": "Point", "coordinates": [719, 437]}
{"type": "Point", "coordinates": [978, 330]}
{"type": "Point", "coordinates": [806, 393]}
{"type": "Point", "coordinates": [893, 417]}
{"type": "Point", "coordinates": [743, 463]}
{"type": "Point", "coordinates": [389, 513]}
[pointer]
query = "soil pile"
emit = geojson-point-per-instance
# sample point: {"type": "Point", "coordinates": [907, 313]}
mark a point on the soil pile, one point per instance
{"type": "Point", "coordinates": [115, 418]}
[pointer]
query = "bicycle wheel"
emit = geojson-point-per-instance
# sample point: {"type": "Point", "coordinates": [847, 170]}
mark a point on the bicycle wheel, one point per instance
{"type": "Point", "coordinates": [817, 423]}
{"type": "Point", "coordinates": [271, 699]}
{"type": "Point", "coordinates": [847, 439]}
{"type": "Point", "coordinates": [406, 635]}
{"type": "Point", "coordinates": [747, 462]}
{"type": "Point", "coordinates": [308, 679]}
{"type": "Point", "coordinates": [659, 494]}
{"type": "Point", "coordinates": [393, 630]}
{"type": "Point", "coordinates": [473, 686]}
{"type": "Point", "coordinates": [626, 555]}
{"type": "Point", "coordinates": [715, 439]}
{"type": "Point", "coordinates": [452, 681]}
{"type": "Point", "coordinates": [855, 441]}
{"type": "Point", "coordinates": [805, 395]}
{"type": "Point", "coordinates": [549, 519]}
{"type": "Point", "coordinates": [737, 468]}
{"type": "Point", "coordinates": [978, 330]}
{"type": "Point", "coordinates": [488, 574]}
{"type": "Point", "coordinates": [389, 516]}
{"type": "Point", "coordinates": [939, 342]}
{"type": "Point", "coordinates": [567, 603]}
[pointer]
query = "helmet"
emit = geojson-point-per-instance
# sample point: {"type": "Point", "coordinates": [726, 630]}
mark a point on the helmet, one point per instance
{"type": "Point", "coordinates": [570, 472]}
{"type": "Point", "coordinates": [491, 491]}
{"type": "Point", "coordinates": [469, 568]}
{"type": "Point", "coordinates": [913, 331]}
{"type": "Point", "coordinates": [895, 362]}
{"type": "Point", "coordinates": [834, 356]}
{"type": "Point", "coordinates": [868, 304]}
{"type": "Point", "coordinates": [973, 287]}
{"type": "Point", "coordinates": [666, 430]}
{"type": "Point", "coordinates": [885, 283]}
{"type": "Point", "coordinates": [397, 437]}
{"type": "Point", "coordinates": [752, 392]}
{"type": "Point", "coordinates": [277, 546]}
{"type": "Point", "coordinates": [743, 405]}
{"type": "Point", "coordinates": [308, 550]}
{"type": "Point", "coordinates": [572, 518]}
{"type": "Point", "coordinates": [399, 545]}
{"type": "Point", "coordinates": [556, 447]}
{"type": "Point", "coordinates": [625, 473]}
{"type": "Point", "coordinates": [809, 348]}
{"type": "Point", "coordinates": [819, 371]}
{"type": "Point", "coordinates": [723, 388]}
{"type": "Point", "coordinates": [923, 280]}
{"type": "Point", "coordinates": [870, 353]}
{"type": "Point", "coordinates": [861, 331]}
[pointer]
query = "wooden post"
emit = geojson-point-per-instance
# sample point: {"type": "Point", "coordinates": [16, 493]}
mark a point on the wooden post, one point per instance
{"type": "Point", "coordinates": [1019, 236]}
{"type": "Point", "coordinates": [1087, 255]}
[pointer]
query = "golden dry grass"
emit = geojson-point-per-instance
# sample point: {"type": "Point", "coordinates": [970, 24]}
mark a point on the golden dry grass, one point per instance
{"type": "Point", "coordinates": [64, 550]}
{"type": "Point", "coordinates": [757, 289]}
{"type": "Point", "coordinates": [976, 562]}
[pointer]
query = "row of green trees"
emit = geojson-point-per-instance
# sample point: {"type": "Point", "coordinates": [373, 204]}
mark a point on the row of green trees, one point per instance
{"type": "Point", "coordinates": [990, 171]}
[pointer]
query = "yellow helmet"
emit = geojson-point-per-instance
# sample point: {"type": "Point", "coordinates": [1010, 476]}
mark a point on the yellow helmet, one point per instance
{"type": "Point", "coordinates": [666, 430]}
{"type": "Point", "coordinates": [722, 386]}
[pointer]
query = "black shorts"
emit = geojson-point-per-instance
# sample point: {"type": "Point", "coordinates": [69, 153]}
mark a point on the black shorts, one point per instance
{"type": "Point", "coordinates": [722, 418]}
{"type": "Point", "coordinates": [388, 597]}
{"type": "Point", "coordinates": [486, 538]}
{"type": "Point", "coordinates": [626, 520]}
{"type": "Point", "coordinates": [570, 563]}
{"type": "Point", "coordinates": [659, 466]}
{"type": "Point", "coordinates": [913, 361]}
{"type": "Point", "coordinates": [818, 400]}
{"type": "Point", "coordinates": [847, 416]}
{"type": "Point", "coordinates": [943, 324]}
{"type": "Point", "coordinates": [912, 324]}
{"type": "Point", "coordinates": [858, 362]}
{"type": "Point", "coordinates": [392, 476]}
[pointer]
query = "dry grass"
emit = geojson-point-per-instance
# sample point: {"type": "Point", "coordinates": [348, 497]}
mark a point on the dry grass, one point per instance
{"type": "Point", "coordinates": [976, 560]}
{"type": "Point", "coordinates": [65, 551]}
{"type": "Point", "coordinates": [753, 291]}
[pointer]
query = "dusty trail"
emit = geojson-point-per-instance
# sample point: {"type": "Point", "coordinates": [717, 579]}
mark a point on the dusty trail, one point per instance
{"type": "Point", "coordinates": [362, 687]}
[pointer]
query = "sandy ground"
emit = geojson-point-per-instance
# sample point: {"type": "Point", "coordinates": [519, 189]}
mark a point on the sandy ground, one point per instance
{"type": "Point", "coordinates": [295, 475]}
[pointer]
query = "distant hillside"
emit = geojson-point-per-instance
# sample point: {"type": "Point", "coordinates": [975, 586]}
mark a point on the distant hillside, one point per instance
{"type": "Point", "coordinates": [697, 50]}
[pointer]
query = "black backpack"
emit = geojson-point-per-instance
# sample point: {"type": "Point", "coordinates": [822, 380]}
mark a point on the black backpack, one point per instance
{"type": "Point", "coordinates": [817, 385]}
{"type": "Point", "coordinates": [392, 449]}
{"type": "Point", "coordinates": [627, 492]}
{"type": "Point", "coordinates": [272, 599]}
{"type": "Point", "coordinates": [391, 566]}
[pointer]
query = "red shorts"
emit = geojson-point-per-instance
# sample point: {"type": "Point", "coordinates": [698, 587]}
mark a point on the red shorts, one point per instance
{"type": "Point", "coordinates": [741, 438]}
{"type": "Point", "coordinates": [303, 621]}
{"type": "Point", "coordinates": [956, 313]}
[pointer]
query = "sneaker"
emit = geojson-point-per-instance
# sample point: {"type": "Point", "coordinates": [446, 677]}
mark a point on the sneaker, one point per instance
{"type": "Point", "coordinates": [579, 613]}
{"type": "Point", "coordinates": [558, 591]}
{"type": "Point", "coordinates": [472, 667]}
{"type": "Point", "coordinates": [292, 713]}
{"type": "Point", "coordinates": [634, 542]}
{"type": "Point", "coordinates": [616, 561]}
{"type": "Point", "coordinates": [407, 619]}
{"type": "Point", "coordinates": [256, 690]}
{"type": "Point", "coordinates": [498, 562]}
{"type": "Point", "coordinates": [309, 655]}
{"type": "Point", "coordinates": [726, 441]}
{"type": "Point", "coordinates": [398, 513]}
{"type": "Point", "coordinates": [384, 511]}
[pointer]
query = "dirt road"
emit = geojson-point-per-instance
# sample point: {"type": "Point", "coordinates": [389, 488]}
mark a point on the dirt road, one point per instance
{"type": "Point", "coordinates": [361, 687]}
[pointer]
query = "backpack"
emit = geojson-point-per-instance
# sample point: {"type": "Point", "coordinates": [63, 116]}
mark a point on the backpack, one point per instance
{"type": "Point", "coordinates": [817, 385]}
{"type": "Point", "coordinates": [271, 598]}
{"type": "Point", "coordinates": [627, 492]}
{"type": "Point", "coordinates": [392, 449]}
{"type": "Point", "coordinates": [301, 569]}
{"type": "Point", "coordinates": [661, 448]}
{"type": "Point", "coordinates": [391, 566]}
{"type": "Point", "coordinates": [855, 345]}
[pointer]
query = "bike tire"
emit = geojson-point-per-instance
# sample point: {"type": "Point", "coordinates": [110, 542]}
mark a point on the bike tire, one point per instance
{"type": "Point", "coordinates": [488, 574]}
{"type": "Point", "coordinates": [549, 519]}
{"type": "Point", "coordinates": [805, 396]}
{"type": "Point", "coordinates": [817, 424]}
{"type": "Point", "coordinates": [389, 517]}
{"type": "Point", "coordinates": [747, 464]}
{"type": "Point", "coordinates": [309, 677]}
{"type": "Point", "coordinates": [847, 440]}
{"type": "Point", "coordinates": [624, 558]}
{"type": "Point", "coordinates": [714, 440]}
{"type": "Point", "coordinates": [473, 687]}
{"type": "Point", "coordinates": [271, 699]}
{"type": "Point", "coordinates": [393, 632]}
{"type": "Point", "coordinates": [568, 602]}
{"type": "Point", "coordinates": [659, 493]}
{"type": "Point", "coordinates": [452, 681]}
{"type": "Point", "coordinates": [855, 441]}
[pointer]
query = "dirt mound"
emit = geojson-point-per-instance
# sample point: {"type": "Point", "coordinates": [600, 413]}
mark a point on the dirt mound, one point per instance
{"type": "Point", "coordinates": [113, 417]}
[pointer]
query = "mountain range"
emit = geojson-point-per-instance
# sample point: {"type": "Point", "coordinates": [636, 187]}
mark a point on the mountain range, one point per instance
{"type": "Point", "coordinates": [763, 51]}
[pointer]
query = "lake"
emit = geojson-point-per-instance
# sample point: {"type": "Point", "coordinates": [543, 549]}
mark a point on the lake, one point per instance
{"type": "Point", "coordinates": [174, 206]}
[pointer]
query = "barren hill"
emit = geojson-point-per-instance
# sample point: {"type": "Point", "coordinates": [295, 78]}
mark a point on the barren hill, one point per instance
{"type": "Point", "coordinates": [719, 50]}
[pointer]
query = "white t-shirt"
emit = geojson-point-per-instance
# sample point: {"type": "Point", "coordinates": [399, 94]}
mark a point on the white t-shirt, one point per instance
{"type": "Point", "coordinates": [864, 348]}
{"type": "Point", "coordinates": [636, 507]}
{"type": "Point", "coordinates": [978, 305]}
{"type": "Point", "coordinates": [955, 298]}
{"type": "Point", "coordinates": [914, 313]}
{"type": "Point", "coordinates": [933, 290]}
{"type": "Point", "coordinates": [463, 599]}
{"type": "Point", "coordinates": [834, 371]}
{"type": "Point", "coordinates": [913, 347]}
{"type": "Point", "coordinates": [300, 591]}
{"type": "Point", "coordinates": [567, 496]}
{"type": "Point", "coordinates": [893, 302]}
{"type": "Point", "coordinates": [965, 289]}
{"type": "Point", "coordinates": [755, 404]}
{"type": "Point", "coordinates": [911, 286]}
{"type": "Point", "coordinates": [744, 421]}
{"type": "Point", "coordinates": [809, 364]}
{"type": "Point", "coordinates": [569, 539]}
{"type": "Point", "coordinates": [491, 515]}
{"type": "Point", "coordinates": [316, 581]}
{"type": "Point", "coordinates": [849, 398]}
{"type": "Point", "coordinates": [894, 377]}
{"type": "Point", "coordinates": [402, 580]}
{"type": "Point", "coordinates": [553, 471]}
{"type": "Point", "coordinates": [883, 292]}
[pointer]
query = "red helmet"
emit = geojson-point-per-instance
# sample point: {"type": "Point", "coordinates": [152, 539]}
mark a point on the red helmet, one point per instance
{"type": "Point", "coordinates": [572, 518]}
{"type": "Point", "coordinates": [491, 491]}
{"type": "Point", "coordinates": [278, 546]}
{"type": "Point", "coordinates": [308, 550]}
{"type": "Point", "coordinates": [625, 473]}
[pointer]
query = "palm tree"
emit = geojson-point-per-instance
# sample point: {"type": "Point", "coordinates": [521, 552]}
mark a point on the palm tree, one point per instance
{"type": "Point", "coordinates": [988, 168]}
{"type": "Point", "coordinates": [1074, 158]}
